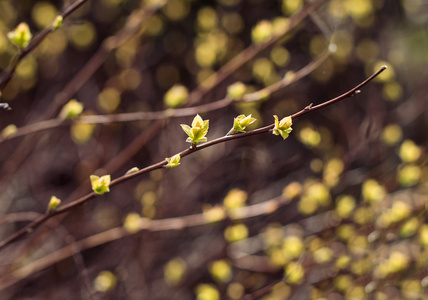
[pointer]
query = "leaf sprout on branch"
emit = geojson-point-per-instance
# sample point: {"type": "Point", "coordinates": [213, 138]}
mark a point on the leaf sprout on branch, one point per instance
{"type": "Point", "coordinates": [196, 134]}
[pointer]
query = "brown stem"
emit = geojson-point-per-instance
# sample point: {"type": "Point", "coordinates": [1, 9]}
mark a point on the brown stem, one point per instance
{"type": "Point", "coordinates": [30, 227]}
{"type": "Point", "coordinates": [7, 75]}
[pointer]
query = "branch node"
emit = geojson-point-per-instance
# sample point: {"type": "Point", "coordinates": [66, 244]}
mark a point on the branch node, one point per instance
{"type": "Point", "coordinates": [309, 106]}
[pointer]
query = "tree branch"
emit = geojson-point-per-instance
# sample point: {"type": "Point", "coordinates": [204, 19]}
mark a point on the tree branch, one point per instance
{"type": "Point", "coordinates": [7, 75]}
{"type": "Point", "coordinates": [67, 207]}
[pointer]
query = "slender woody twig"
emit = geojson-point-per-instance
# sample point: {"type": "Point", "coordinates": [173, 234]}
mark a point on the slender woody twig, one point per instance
{"type": "Point", "coordinates": [225, 71]}
{"type": "Point", "coordinates": [249, 53]}
{"type": "Point", "coordinates": [177, 223]}
{"type": "Point", "coordinates": [237, 62]}
{"type": "Point", "coordinates": [67, 207]}
{"type": "Point", "coordinates": [113, 234]}
{"type": "Point", "coordinates": [172, 113]}
{"type": "Point", "coordinates": [7, 75]}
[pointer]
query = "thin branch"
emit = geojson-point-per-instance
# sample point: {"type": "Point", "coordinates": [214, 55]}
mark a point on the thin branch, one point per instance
{"type": "Point", "coordinates": [132, 26]}
{"type": "Point", "coordinates": [79, 261]}
{"type": "Point", "coordinates": [249, 53]}
{"type": "Point", "coordinates": [195, 96]}
{"type": "Point", "coordinates": [30, 227]}
{"type": "Point", "coordinates": [304, 111]}
{"type": "Point", "coordinates": [36, 127]}
{"type": "Point", "coordinates": [7, 75]}
{"type": "Point", "coordinates": [113, 234]}
{"type": "Point", "coordinates": [191, 111]}
{"type": "Point", "coordinates": [173, 113]}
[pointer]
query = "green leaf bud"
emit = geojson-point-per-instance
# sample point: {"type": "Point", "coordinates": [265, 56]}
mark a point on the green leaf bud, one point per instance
{"type": "Point", "coordinates": [100, 185]}
{"type": "Point", "coordinates": [409, 152]}
{"type": "Point", "coordinates": [237, 232]}
{"type": "Point", "coordinates": [71, 109]}
{"type": "Point", "coordinates": [221, 270]}
{"type": "Point", "coordinates": [132, 170]}
{"type": "Point", "coordinates": [236, 90]}
{"type": "Point", "coordinates": [240, 123]}
{"type": "Point", "coordinates": [105, 281]}
{"type": "Point", "coordinates": [53, 203]}
{"type": "Point", "coordinates": [21, 36]}
{"type": "Point", "coordinates": [132, 223]}
{"type": "Point", "coordinates": [294, 273]}
{"type": "Point", "coordinates": [174, 271]}
{"type": "Point", "coordinates": [282, 127]}
{"type": "Point", "coordinates": [57, 23]}
{"type": "Point", "coordinates": [9, 131]}
{"type": "Point", "coordinates": [207, 291]}
{"type": "Point", "coordinates": [197, 132]}
{"type": "Point", "coordinates": [262, 32]}
{"type": "Point", "coordinates": [176, 96]}
{"type": "Point", "coordinates": [173, 161]}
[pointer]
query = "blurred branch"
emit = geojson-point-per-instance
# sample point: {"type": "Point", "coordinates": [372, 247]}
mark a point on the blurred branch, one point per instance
{"type": "Point", "coordinates": [174, 113]}
{"type": "Point", "coordinates": [78, 259]}
{"type": "Point", "coordinates": [63, 234]}
{"type": "Point", "coordinates": [249, 53]}
{"type": "Point", "coordinates": [191, 111]}
{"type": "Point", "coordinates": [110, 235]}
{"type": "Point", "coordinates": [133, 24]}
{"type": "Point", "coordinates": [237, 62]}
{"type": "Point", "coordinates": [67, 207]}
{"type": "Point", "coordinates": [7, 75]}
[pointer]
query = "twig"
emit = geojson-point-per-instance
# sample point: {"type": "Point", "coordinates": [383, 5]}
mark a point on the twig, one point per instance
{"type": "Point", "coordinates": [7, 75]}
{"type": "Point", "coordinates": [67, 207]}
{"type": "Point", "coordinates": [172, 113]}
{"type": "Point", "coordinates": [100, 56]}
{"type": "Point", "coordinates": [110, 235]}
{"type": "Point", "coordinates": [250, 52]}
{"type": "Point", "coordinates": [190, 111]}
{"type": "Point", "coordinates": [133, 24]}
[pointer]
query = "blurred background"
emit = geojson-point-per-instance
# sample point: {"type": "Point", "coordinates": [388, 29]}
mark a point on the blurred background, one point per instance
{"type": "Point", "coordinates": [336, 211]}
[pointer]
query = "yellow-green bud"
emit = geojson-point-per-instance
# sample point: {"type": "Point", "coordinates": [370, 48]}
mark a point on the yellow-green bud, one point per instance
{"type": "Point", "coordinates": [9, 131]}
{"type": "Point", "coordinates": [132, 170]}
{"type": "Point", "coordinates": [57, 23]}
{"type": "Point", "coordinates": [236, 90]}
{"type": "Point", "coordinates": [53, 203]}
{"type": "Point", "coordinates": [197, 132]}
{"type": "Point", "coordinates": [240, 123]}
{"type": "Point", "coordinates": [100, 185]}
{"type": "Point", "coordinates": [71, 110]}
{"type": "Point", "coordinates": [282, 127]}
{"type": "Point", "coordinates": [262, 32]}
{"type": "Point", "coordinates": [21, 36]}
{"type": "Point", "coordinates": [173, 161]}
{"type": "Point", "coordinates": [176, 96]}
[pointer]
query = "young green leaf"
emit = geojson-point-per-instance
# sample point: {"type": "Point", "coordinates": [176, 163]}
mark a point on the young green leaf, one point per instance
{"type": "Point", "coordinates": [282, 127]}
{"type": "Point", "coordinates": [21, 36]}
{"type": "Point", "coordinates": [173, 161]}
{"type": "Point", "coordinates": [132, 170]}
{"type": "Point", "coordinates": [71, 109]}
{"type": "Point", "coordinates": [240, 123]}
{"type": "Point", "coordinates": [197, 132]}
{"type": "Point", "coordinates": [57, 23]}
{"type": "Point", "coordinates": [53, 203]}
{"type": "Point", "coordinates": [100, 185]}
